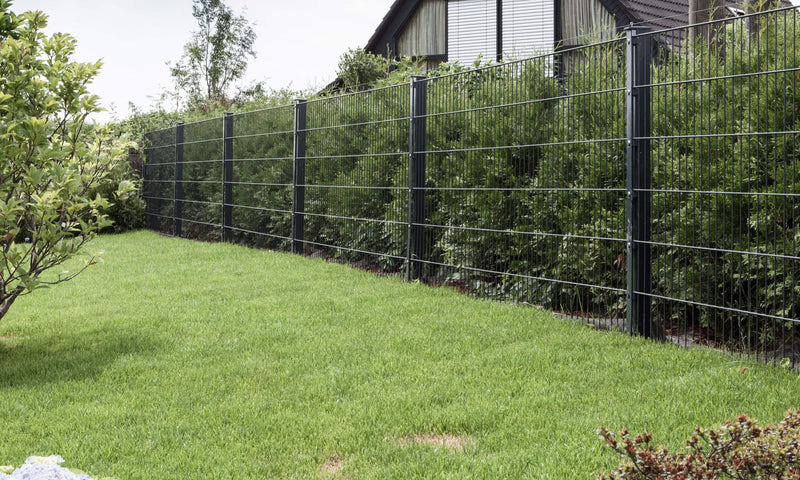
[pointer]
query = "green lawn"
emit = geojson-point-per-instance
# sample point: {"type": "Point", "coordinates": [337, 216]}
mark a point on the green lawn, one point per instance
{"type": "Point", "coordinates": [178, 359]}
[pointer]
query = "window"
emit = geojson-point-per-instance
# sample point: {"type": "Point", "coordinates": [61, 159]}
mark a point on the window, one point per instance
{"type": "Point", "coordinates": [528, 28]}
{"type": "Point", "coordinates": [471, 30]}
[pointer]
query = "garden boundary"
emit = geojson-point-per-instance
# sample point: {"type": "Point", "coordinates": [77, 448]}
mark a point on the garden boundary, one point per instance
{"type": "Point", "coordinates": [626, 183]}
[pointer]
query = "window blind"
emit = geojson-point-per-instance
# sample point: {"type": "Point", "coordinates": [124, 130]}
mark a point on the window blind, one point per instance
{"type": "Point", "coordinates": [528, 27]}
{"type": "Point", "coordinates": [472, 30]}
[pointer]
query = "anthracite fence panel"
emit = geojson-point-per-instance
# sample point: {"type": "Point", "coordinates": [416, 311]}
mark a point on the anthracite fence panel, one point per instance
{"type": "Point", "coordinates": [634, 183]}
{"type": "Point", "coordinates": [158, 189]}
{"type": "Point", "coordinates": [726, 187]}
{"type": "Point", "coordinates": [262, 178]}
{"type": "Point", "coordinates": [202, 180]}
{"type": "Point", "coordinates": [356, 177]}
{"type": "Point", "coordinates": [525, 173]}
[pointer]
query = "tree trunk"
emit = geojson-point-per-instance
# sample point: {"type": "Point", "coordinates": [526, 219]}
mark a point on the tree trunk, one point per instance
{"type": "Point", "coordinates": [753, 22]}
{"type": "Point", "coordinates": [703, 11]}
{"type": "Point", "coordinates": [8, 301]}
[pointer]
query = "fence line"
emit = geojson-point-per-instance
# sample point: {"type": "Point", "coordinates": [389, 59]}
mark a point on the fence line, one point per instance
{"type": "Point", "coordinates": [626, 183]}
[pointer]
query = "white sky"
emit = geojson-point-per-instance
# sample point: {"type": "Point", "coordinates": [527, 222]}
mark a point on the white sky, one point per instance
{"type": "Point", "coordinates": [299, 41]}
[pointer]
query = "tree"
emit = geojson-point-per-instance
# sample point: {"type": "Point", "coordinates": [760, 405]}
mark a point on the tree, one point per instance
{"type": "Point", "coordinates": [51, 157]}
{"type": "Point", "coordinates": [217, 54]}
{"type": "Point", "coordinates": [359, 69]}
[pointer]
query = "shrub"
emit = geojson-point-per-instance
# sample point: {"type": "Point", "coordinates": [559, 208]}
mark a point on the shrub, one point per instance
{"type": "Point", "coordinates": [738, 450]}
{"type": "Point", "coordinates": [125, 213]}
{"type": "Point", "coordinates": [52, 158]}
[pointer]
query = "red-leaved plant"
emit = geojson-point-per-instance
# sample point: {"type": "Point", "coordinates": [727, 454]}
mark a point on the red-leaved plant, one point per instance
{"type": "Point", "coordinates": [737, 450]}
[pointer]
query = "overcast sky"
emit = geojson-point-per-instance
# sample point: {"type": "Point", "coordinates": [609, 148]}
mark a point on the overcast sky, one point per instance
{"type": "Point", "coordinates": [299, 41]}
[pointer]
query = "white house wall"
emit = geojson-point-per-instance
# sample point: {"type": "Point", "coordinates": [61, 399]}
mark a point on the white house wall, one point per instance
{"type": "Point", "coordinates": [528, 27]}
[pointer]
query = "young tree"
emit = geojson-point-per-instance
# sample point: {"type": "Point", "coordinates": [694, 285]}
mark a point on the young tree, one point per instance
{"type": "Point", "coordinates": [217, 55]}
{"type": "Point", "coordinates": [360, 70]}
{"type": "Point", "coordinates": [51, 157]}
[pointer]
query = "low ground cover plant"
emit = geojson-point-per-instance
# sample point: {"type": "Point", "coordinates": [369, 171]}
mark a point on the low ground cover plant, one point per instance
{"type": "Point", "coordinates": [739, 449]}
{"type": "Point", "coordinates": [43, 468]}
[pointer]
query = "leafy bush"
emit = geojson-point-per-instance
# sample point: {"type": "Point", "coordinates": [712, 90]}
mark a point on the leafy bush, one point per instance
{"type": "Point", "coordinates": [738, 450]}
{"type": "Point", "coordinates": [125, 212]}
{"type": "Point", "coordinates": [359, 69]}
{"type": "Point", "coordinates": [52, 158]}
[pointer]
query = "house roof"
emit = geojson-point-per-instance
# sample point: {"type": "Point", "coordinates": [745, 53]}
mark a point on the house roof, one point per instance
{"type": "Point", "coordinates": [657, 14]}
{"type": "Point", "coordinates": [395, 18]}
{"type": "Point", "coordinates": [663, 14]}
{"type": "Point", "coordinates": [671, 14]}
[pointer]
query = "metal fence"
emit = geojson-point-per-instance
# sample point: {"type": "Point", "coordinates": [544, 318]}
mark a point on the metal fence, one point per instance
{"type": "Point", "coordinates": [629, 183]}
{"type": "Point", "coordinates": [725, 187]}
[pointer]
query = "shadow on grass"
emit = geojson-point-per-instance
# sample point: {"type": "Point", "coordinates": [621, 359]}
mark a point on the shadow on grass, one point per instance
{"type": "Point", "coordinates": [39, 360]}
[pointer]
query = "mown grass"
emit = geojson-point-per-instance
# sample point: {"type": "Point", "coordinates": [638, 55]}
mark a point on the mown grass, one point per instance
{"type": "Point", "coordinates": [178, 359]}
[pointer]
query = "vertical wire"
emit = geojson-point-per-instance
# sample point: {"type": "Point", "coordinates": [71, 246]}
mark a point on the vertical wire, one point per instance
{"type": "Point", "coordinates": [794, 327]}
{"type": "Point", "coordinates": [716, 165]}
{"type": "Point", "coordinates": [689, 182]}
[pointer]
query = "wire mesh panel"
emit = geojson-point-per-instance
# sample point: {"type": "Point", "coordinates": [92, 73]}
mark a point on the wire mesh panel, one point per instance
{"type": "Point", "coordinates": [202, 180]}
{"type": "Point", "coordinates": [262, 178]}
{"type": "Point", "coordinates": [525, 181]}
{"type": "Point", "coordinates": [726, 187]}
{"type": "Point", "coordinates": [158, 187]}
{"type": "Point", "coordinates": [356, 177]}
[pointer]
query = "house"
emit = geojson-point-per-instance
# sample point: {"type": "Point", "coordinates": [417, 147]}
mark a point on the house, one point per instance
{"type": "Point", "coordinates": [461, 30]}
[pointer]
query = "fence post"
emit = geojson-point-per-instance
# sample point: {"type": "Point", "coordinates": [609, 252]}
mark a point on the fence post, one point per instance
{"type": "Point", "coordinates": [499, 24]}
{"type": "Point", "coordinates": [177, 209]}
{"type": "Point", "coordinates": [227, 177]}
{"type": "Point", "coordinates": [416, 177]}
{"type": "Point", "coordinates": [299, 177]}
{"type": "Point", "coordinates": [639, 52]}
{"type": "Point", "coordinates": [145, 184]}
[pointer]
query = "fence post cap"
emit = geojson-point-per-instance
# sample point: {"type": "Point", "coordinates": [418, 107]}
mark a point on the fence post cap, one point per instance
{"type": "Point", "coordinates": [637, 29]}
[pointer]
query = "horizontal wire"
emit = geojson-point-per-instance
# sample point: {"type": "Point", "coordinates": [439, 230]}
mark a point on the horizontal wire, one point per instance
{"type": "Point", "coordinates": [719, 307]}
{"type": "Point", "coordinates": [717, 192]}
{"type": "Point", "coordinates": [355, 250]}
{"type": "Point", "coordinates": [529, 145]}
{"type": "Point", "coordinates": [263, 234]}
{"type": "Point", "coordinates": [717, 250]}
{"type": "Point", "coordinates": [348, 155]}
{"type": "Point", "coordinates": [564, 236]}
{"type": "Point", "coordinates": [258, 135]}
{"type": "Point", "coordinates": [520, 275]}
{"type": "Point", "coordinates": [355, 219]}
{"type": "Point", "coordinates": [256, 184]}
{"type": "Point", "coordinates": [350, 187]}
{"type": "Point", "coordinates": [268, 159]}
{"type": "Point", "coordinates": [198, 222]}
{"type": "Point", "coordinates": [260, 209]}
{"type": "Point", "coordinates": [199, 202]}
